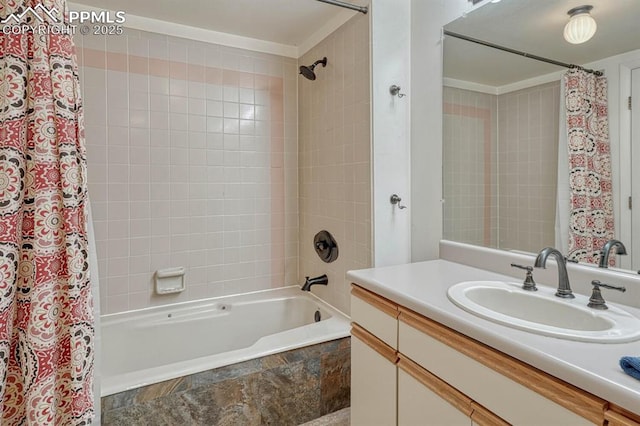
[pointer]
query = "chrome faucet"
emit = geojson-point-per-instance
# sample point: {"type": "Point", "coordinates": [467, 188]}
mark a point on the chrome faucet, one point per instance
{"type": "Point", "coordinates": [322, 280]}
{"type": "Point", "coordinates": [606, 249]}
{"type": "Point", "coordinates": [564, 289]}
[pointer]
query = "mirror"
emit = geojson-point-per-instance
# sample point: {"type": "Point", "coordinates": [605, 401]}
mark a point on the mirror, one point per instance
{"type": "Point", "coordinates": [501, 120]}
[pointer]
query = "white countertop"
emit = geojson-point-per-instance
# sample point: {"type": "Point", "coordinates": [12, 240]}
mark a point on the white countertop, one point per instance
{"type": "Point", "coordinates": [422, 287]}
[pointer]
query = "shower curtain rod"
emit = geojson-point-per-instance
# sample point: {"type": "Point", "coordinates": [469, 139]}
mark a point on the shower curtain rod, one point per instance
{"type": "Point", "coordinates": [362, 9]}
{"type": "Point", "coordinates": [518, 52]}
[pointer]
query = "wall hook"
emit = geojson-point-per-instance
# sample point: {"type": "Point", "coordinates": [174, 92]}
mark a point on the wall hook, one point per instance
{"type": "Point", "coordinates": [395, 200]}
{"type": "Point", "coordinates": [395, 91]}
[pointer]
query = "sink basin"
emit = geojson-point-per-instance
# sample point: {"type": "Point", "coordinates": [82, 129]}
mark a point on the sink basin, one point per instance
{"type": "Point", "coordinates": [543, 313]}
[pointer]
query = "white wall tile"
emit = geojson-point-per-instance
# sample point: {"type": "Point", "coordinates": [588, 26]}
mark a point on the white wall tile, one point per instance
{"type": "Point", "coordinates": [177, 175]}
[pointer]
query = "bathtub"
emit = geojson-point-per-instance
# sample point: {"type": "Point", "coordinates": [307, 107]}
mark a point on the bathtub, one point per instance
{"type": "Point", "coordinates": [148, 346]}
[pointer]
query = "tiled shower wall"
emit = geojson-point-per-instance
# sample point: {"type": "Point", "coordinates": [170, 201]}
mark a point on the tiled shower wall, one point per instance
{"type": "Point", "coordinates": [500, 186]}
{"type": "Point", "coordinates": [528, 163]}
{"type": "Point", "coordinates": [192, 151]}
{"type": "Point", "coordinates": [335, 158]}
{"type": "Point", "coordinates": [470, 171]}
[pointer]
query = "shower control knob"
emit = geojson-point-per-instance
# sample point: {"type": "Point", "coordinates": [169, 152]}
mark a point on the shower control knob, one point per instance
{"type": "Point", "coordinates": [326, 246]}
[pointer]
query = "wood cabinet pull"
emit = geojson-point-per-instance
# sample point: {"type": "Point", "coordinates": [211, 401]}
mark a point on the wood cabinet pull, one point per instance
{"type": "Point", "coordinates": [436, 385]}
{"type": "Point", "coordinates": [384, 305]}
{"type": "Point", "coordinates": [374, 343]}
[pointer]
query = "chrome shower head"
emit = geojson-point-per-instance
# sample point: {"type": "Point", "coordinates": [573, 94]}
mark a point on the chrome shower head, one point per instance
{"type": "Point", "coordinates": [307, 71]}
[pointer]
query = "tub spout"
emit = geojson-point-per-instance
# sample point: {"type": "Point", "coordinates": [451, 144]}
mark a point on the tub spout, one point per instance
{"type": "Point", "coordinates": [322, 279]}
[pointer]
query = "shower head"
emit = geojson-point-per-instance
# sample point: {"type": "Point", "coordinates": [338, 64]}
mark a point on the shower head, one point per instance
{"type": "Point", "coordinates": [307, 71]}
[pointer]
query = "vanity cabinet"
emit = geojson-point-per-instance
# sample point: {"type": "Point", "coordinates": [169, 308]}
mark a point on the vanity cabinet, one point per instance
{"type": "Point", "coordinates": [433, 375]}
{"type": "Point", "coordinates": [388, 388]}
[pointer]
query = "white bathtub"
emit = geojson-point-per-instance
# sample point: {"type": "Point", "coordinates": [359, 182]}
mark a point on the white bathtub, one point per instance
{"type": "Point", "coordinates": [156, 344]}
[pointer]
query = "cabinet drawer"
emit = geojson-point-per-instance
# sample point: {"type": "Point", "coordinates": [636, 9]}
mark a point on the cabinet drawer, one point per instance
{"type": "Point", "coordinates": [376, 314]}
{"type": "Point", "coordinates": [512, 389]}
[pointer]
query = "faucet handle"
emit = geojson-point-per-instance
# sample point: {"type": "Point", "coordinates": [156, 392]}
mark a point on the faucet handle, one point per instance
{"type": "Point", "coordinates": [529, 284]}
{"type": "Point", "coordinates": [526, 268]}
{"type": "Point", "coordinates": [596, 301]}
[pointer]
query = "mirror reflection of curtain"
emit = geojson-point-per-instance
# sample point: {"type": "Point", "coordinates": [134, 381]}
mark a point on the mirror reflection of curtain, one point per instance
{"type": "Point", "coordinates": [590, 214]}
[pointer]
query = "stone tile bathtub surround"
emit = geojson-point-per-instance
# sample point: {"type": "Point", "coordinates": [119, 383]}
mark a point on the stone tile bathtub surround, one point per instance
{"type": "Point", "coordinates": [192, 162]}
{"type": "Point", "coordinates": [289, 388]}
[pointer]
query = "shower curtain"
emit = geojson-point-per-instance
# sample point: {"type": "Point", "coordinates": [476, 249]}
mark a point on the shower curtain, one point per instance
{"type": "Point", "coordinates": [590, 199]}
{"type": "Point", "coordinates": [46, 312]}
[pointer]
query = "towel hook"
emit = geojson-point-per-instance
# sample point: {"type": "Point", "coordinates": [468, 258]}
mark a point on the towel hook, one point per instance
{"type": "Point", "coordinates": [395, 200]}
{"type": "Point", "coordinates": [395, 91]}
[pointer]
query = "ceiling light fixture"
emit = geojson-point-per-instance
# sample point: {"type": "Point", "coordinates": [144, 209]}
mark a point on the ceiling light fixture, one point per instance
{"type": "Point", "coordinates": [581, 26]}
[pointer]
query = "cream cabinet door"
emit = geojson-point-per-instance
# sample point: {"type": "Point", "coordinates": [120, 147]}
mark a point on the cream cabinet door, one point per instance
{"type": "Point", "coordinates": [373, 386]}
{"type": "Point", "coordinates": [419, 405]}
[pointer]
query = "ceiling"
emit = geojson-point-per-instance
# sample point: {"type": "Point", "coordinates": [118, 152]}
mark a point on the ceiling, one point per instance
{"type": "Point", "coordinates": [288, 22]}
{"type": "Point", "coordinates": [535, 27]}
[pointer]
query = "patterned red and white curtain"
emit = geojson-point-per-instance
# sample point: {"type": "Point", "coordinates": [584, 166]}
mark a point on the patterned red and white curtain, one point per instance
{"type": "Point", "coordinates": [591, 194]}
{"type": "Point", "coordinates": [46, 308]}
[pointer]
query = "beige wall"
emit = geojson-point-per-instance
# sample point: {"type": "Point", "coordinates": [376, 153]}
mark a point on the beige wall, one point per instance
{"type": "Point", "coordinates": [192, 151]}
{"type": "Point", "coordinates": [334, 155]}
